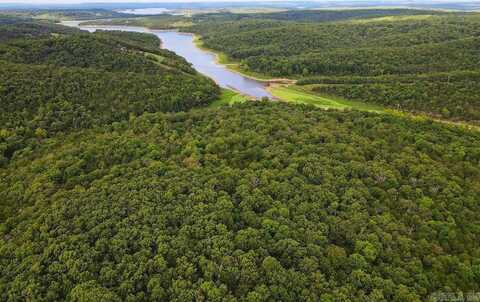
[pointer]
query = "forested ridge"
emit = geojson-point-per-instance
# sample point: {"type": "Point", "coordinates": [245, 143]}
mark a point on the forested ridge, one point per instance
{"type": "Point", "coordinates": [15, 27]}
{"type": "Point", "coordinates": [257, 202]}
{"type": "Point", "coordinates": [419, 45]}
{"type": "Point", "coordinates": [110, 51]}
{"type": "Point", "coordinates": [56, 79]}
{"type": "Point", "coordinates": [164, 21]}
{"type": "Point", "coordinates": [64, 14]}
{"type": "Point", "coordinates": [317, 15]}
{"type": "Point", "coordinates": [450, 94]}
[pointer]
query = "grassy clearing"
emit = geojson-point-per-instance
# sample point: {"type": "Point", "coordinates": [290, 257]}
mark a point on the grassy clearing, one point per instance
{"type": "Point", "coordinates": [228, 98]}
{"type": "Point", "coordinates": [390, 19]}
{"type": "Point", "coordinates": [48, 16]}
{"type": "Point", "coordinates": [158, 58]}
{"type": "Point", "coordinates": [426, 117]}
{"type": "Point", "coordinates": [296, 94]}
{"type": "Point", "coordinates": [301, 95]}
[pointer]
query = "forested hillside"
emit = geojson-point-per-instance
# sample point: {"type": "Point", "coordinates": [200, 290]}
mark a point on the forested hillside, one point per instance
{"type": "Point", "coordinates": [55, 80]}
{"type": "Point", "coordinates": [155, 22]}
{"type": "Point", "coordinates": [11, 28]}
{"type": "Point", "coordinates": [65, 14]}
{"type": "Point", "coordinates": [415, 46]}
{"type": "Point", "coordinates": [313, 15]}
{"type": "Point", "coordinates": [258, 202]}
{"type": "Point", "coordinates": [166, 21]}
{"type": "Point", "coordinates": [450, 94]}
{"type": "Point", "coordinates": [110, 51]}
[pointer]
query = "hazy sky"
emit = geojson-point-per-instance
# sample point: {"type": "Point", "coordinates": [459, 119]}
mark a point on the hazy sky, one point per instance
{"type": "Point", "coordinates": [118, 1]}
{"type": "Point", "coordinates": [139, 1]}
{"type": "Point", "coordinates": [136, 1]}
{"type": "Point", "coordinates": [160, 1]}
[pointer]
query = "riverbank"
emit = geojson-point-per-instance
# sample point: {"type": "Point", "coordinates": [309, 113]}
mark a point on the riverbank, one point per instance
{"type": "Point", "coordinates": [220, 58]}
{"type": "Point", "coordinates": [232, 65]}
{"type": "Point", "coordinates": [279, 88]}
{"type": "Point", "coordinates": [286, 90]}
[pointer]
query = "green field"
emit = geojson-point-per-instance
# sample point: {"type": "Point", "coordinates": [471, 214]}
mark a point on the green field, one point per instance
{"type": "Point", "coordinates": [228, 98]}
{"type": "Point", "coordinates": [299, 95]}
{"type": "Point", "coordinates": [362, 55]}
{"type": "Point", "coordinates": [390, 19]}
{"type": "Point", "coordinates": [296, 94]}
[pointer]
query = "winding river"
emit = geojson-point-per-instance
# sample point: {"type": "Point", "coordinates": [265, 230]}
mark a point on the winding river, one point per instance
{"type": "Point", "coordinates": [203, 61]}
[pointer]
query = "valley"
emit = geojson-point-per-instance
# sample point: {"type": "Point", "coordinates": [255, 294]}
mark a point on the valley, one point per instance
{"type": "Point", "coordinates": [239, 155]}
{"type": "Point", "coordinates": [395, 91]}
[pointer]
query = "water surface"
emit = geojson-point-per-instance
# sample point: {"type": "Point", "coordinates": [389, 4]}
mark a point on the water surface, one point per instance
{"type": "Point", "coordinates": [203, 61]}
{"type": "Point", "coordinates": [145, 11]}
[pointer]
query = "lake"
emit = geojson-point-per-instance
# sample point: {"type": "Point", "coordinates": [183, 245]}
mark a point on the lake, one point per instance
{"type": "Point", "coordinates": [203, 61]}
{"type": "Point", "coordinates": [145, 11]}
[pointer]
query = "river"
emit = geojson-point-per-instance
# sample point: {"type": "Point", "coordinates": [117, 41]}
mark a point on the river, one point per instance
{"type": "Point", "coordinates": [203, 61]}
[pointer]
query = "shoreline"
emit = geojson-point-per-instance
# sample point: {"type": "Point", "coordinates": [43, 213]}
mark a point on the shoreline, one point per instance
{"type": "Point", "coordinates": [198, 43]}
{"type": "Point", "coordinates": [274, 83]}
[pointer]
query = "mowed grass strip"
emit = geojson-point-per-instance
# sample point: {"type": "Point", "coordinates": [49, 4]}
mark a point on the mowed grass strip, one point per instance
{"type": "Point", "coordinates": [228, 98]}
{"type": "Point", "coordinates": [296, 94]}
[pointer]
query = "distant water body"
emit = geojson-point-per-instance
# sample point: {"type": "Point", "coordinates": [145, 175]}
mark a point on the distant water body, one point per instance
{"type": "Point", "coordinates": [203, 61]}
{"type": "Point", "coordinates": [145, 11]}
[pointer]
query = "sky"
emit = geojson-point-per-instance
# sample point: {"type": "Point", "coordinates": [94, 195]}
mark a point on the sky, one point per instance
{"type": "Point", "coordinates": [138, 1]}
{"type": "Point", "coordinates": [173, 1]}
{"type": "Point", "coordinates": [128, 1]}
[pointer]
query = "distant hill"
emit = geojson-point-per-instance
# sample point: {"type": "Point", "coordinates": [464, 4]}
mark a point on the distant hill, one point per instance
{"type": "Point", "coordinates": [385, 46]}
{"type": "Point", "coordinates": [15, 27]}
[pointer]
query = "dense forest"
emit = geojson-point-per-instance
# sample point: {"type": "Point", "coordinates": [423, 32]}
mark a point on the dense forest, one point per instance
{"type": "Point", "coordinates": [118, 184]}
{"type": "Point", "coordinates": [398, 46]}
{"type": "Point", "coordinates": [166, 21]}
{"type": "Point", "coordinates": [63, 80]}
{"type": "Point", "coordinates": [258, 202]}
{"type": "Point", "coordinates": [312, 15]}
{"type": "Point", "coordinates": [451, 94]}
